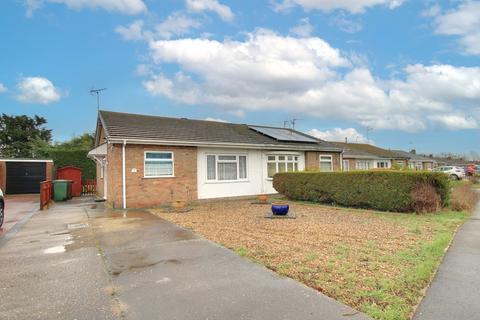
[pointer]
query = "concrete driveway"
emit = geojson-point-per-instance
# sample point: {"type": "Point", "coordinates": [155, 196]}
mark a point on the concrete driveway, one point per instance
{"type": "Point", "coordinates": [78, 261]}
{"type": "Point", "coordinates": [18, 208]}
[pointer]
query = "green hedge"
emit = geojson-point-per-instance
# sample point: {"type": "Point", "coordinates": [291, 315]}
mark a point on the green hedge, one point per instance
{"type": "Point", "coordinates": [379, 190]}
{"type": "Point", "coordinates": [74, 157]}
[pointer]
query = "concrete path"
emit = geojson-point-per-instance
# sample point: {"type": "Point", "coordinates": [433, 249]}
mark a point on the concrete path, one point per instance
{"type": "Point", "coordinates": [18, 208]}
{"type": "Point", "coordinates": [77, 261]}
{"type": "Point", "coordinates": [455, 291]}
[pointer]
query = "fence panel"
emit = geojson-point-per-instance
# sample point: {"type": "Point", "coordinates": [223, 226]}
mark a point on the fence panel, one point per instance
{"type": "Point", "coordinates": [46, 193]}
{"type": "Point", "coordinates": [89, 187]}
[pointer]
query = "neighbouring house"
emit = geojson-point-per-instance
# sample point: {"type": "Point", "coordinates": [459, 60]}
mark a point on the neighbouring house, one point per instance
{"type": "Point", "coordinates": [363, 156]}
{"type": "Point", "coordinates": [22, 176]}
{"type": "Point", "coordinates": [144, 161]}
{"type": "Point", "coordinates": [416, 161]}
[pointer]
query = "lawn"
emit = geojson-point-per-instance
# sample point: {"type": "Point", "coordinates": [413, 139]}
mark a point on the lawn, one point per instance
{"type": "Point", "coordinates": [379, 263]}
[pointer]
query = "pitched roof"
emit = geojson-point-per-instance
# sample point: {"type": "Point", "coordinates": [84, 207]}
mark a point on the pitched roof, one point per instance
{"type": "Point", "coordinates": [120, 126]}
{"type": "Point", "coordinates": [364, 150]}
{"type": "Point", "coordinates": [413, 156]}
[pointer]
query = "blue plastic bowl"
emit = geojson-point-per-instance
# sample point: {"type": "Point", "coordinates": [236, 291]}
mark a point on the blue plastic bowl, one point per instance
{"type": "Point", "coordinates": [280, 209]}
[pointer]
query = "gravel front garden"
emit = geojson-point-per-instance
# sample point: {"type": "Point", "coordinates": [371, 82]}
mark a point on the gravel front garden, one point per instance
{"type": "Point", "coordinates": [379, 263]}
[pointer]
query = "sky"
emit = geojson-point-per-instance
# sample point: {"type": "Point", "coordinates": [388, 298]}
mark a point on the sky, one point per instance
{"type": "Point", "coordinates": [402, 74]}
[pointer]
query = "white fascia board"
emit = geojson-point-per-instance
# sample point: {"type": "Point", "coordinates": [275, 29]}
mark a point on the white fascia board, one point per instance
{"type": "Point", "coordinates": [24, 160]}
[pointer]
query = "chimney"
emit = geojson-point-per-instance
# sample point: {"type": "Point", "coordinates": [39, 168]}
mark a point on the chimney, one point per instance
{"type": "Point", "coordinates": [413, 151]}
{"type": "Point", "coordinates": [346, 140]}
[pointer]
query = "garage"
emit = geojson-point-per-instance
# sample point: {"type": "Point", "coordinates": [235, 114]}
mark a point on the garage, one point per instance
{"type": "Point", "coordinates": [23, 176]}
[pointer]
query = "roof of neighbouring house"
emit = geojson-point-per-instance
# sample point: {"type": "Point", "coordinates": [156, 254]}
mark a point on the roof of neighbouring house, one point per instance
{"type": "Point", "coordinates": [135, 127]}
{"type": "Point", "coordinates": [413, 156]}
{"type": "Point", "coordinates": [364, 150]}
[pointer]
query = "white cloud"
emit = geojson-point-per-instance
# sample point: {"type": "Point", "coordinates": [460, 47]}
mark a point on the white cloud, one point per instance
{"type": "Point", "coordinates": [455, 122]}
{"type": "Point", "coordinates": [340, 134]}
{"type": "Point", "coordinates": [2, 88]}
{"type": "Point", "coordinates": [303, 29]}
{"type": "Point", "coordinates": [216, 119]}
{"type": "Point", "coordinates": [176, 24]}
{"type": "Point", "coordinates": [123, 6]}
{"type": "Point", "coordinates": [353, 6]}
{"type": "Point", "coordinates": [222, 10]}
{"type": "Point", "coordinates": [463, 22]}
{"type": "Point", "coordinates": [307, 76]}
{"type": "Point", "coordinates": [37, 90]}
{"type": "Point", "coordinates": [345, 24]}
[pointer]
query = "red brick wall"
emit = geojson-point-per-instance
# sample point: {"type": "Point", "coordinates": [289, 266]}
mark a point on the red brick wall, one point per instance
{"type": "Point", "coordinates": [312, 162]}
{"type": "Point", "coordinates": [49, 169]}
{"type": "Point", "coordinates": [148, 192]}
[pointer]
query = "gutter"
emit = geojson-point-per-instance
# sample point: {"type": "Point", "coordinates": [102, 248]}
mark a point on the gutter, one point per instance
{"type": "Point", "coordinates": [124, 180]}
{"type": "Point", "coordinates": [223, 144]}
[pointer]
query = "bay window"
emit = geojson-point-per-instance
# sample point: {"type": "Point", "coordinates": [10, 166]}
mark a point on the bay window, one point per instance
{"type": "Point", "coordinates": [226, 167]}
{"type": "Point", "coordinates": [158, 164]}
{"type": "Point", "coordinates": [281, 163]}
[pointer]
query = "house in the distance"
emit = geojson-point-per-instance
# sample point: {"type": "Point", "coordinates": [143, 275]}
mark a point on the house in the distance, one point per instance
{"type": "Point", "coordinates": [144, 161]}
{"type": "Point", "coordinates": [363, 156]}
{"type": "Point", "coordinates": [416, 161]}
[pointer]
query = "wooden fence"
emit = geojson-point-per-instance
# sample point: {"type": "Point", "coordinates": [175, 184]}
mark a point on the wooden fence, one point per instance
{"type": "Point", "coordinates": [89, 187]}
{"type": "Point", "coordinates": [46, 193]}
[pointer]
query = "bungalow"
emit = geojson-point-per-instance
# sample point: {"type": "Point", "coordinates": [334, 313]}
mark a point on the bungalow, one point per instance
{"type": "Point", "coordinates": [144, 161]}
{"type": "Point", "coordinates": [416, 161]}
{"type": "Point", "coordinates": [363, 156]}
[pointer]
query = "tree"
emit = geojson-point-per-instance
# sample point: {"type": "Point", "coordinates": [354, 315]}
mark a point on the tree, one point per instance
{"type": "Point", "coordinates": [19, 134]}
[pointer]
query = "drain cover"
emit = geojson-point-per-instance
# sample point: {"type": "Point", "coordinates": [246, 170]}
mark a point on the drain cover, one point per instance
{"type": "Point", "coordinates": [72, 226]}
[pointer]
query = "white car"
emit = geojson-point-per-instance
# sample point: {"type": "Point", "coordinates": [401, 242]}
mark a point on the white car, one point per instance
{"type": "Point", "coordinates": [453, 172]}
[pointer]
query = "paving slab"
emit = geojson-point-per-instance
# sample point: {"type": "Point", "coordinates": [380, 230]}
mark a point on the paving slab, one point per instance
{"type": "Point", "coordinates": [455, 290]}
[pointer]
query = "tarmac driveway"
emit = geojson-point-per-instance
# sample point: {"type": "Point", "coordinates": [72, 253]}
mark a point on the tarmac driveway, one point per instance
{"type": "Point", "coordinates": [133, 265]}
{"type": "Point", "coordinates": [18, 208]}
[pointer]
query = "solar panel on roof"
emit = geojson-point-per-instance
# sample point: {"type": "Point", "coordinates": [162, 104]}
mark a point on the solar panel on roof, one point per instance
{"type": "Point", "coordinates": [282, 134]}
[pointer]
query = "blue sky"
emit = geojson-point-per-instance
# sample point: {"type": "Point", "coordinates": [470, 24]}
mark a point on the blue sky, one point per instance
{"type": "Point", "coordinates": [408, 70]}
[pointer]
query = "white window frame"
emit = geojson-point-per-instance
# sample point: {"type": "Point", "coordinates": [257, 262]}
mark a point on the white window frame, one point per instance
{"type": "Point", "coordinates": [367, 165]}
{"type": "Point", "coordinates": [286, 162]}
{"type": "Point", "coordinates": [237, 161]}
{"type": "Point", "coordinates": [346, 165]}
{"type": "Point", "coordinates": [384, 162]}
{"type": "Point", "coordinates": [401, 163]}
{"type": "Point", "coordinates": [172, 160]}
{"type": "Point", "coordinates": [320, 161]}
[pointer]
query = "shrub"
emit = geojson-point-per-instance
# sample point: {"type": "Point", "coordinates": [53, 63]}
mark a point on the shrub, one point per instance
{"type": "Point", "coordinates": [380, 190]}
{"type": "Point", "coordinates": [74, 157]}
{"type": "Point", "coordinates": [425, 198]}
{"type": "Point", "coordinates": [464, 198]}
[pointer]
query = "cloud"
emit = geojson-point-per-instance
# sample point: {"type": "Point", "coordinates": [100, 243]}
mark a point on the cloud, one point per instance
{"type": "Point", "coordinates": [303, 29]}
{"type": "Point", "coordinates": [222, 10]}
{"type": "Point", "coordinates": [2, 88]}
{"type": "Point", "coordinates": [340, 134]}
{"type": "Point", "coordinates": [352, 6]}
{"type": "Point", "coordinates": [130, 7]}
{"type": "Point", "coordinates": [176, 24]}
{"type": "Point", "coordinates": [463, 22]}
{"type": "Point", "coordinates": [37, 90]}
{"type": "Point", "coordinates": [216, 119]}
{"type": "Point", "coordinates": [455, 122]}
{"type": "Point", "coordinates": [306, 76]}
{"type": "Point", "coordinates": [346, 25]}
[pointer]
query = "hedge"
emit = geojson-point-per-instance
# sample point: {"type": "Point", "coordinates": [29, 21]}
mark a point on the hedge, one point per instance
{"type": "Point", "coordinates": [74, 157]}
{"type": "Point", "coordinates": [379, 190]}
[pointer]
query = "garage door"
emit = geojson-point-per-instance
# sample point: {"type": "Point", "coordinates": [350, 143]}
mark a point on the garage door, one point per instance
{"type": "Point", "coordinates": [25, 177]}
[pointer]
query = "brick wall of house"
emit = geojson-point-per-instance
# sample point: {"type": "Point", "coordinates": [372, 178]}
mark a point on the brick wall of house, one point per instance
{"type": "Point", "coordinates": [148, 192]}
{"type": "Point", "coordinates": [49, 169]}
{"type": "Point", "coordinates": [352, 163]}
{"type": "Point", "coordinates": [3, 175]}
{"type": "Point", "coordinates": [312, 161]}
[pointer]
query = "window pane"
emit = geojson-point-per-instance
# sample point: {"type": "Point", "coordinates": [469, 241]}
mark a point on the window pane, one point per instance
{"type": "Point", "coordinates": [242, 167]}
{"type": "Point", "coordinates": [281, 167]}
{"type": "Point", "coordinates": [281, 157]}
{"type": "Point", "coordinates": [296, 166]}
{"type": "Point", "coordinates": [157, 169]}
{"type": "Point", "coordinates": [296, 158]}
{"type": "Point", "coordinates": [271, 169]}
{"type": "Point", "coordinates": [157, 155]}
{"type": "Point", "coordinates": [290, 166]}
{"type": "Point", "coordinates": [227, 171]}
{"type": "Point", "coordinates": [271, 158]}
{"type": "Point", "coordinates": [211, 174]}
{"type": "Point", "coordinates": [325, 166]}
{"type": "Point", "coordinates": [325, 158]}
{"type": "Point", "coordinates": [229, 158]}
{"type": "Point", "coordinates": [289, 158]}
